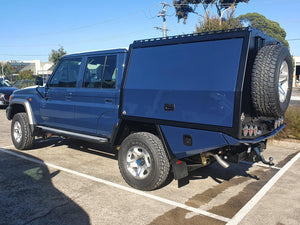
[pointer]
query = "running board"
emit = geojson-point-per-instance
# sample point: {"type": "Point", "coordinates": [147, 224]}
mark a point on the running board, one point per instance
{"type": "Point", "coordinates": [74, 135]}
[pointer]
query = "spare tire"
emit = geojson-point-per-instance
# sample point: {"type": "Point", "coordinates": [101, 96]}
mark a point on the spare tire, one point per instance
{"type": "Point", "coordinates": [271, 80]}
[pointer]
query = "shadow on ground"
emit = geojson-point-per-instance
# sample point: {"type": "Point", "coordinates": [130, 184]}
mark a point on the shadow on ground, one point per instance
{"type": "Point", "coordinates": [104, 150]}
{"type": "Point", "coordinates": [27, 195]}
{"type": "Point", "coordinates": [215, 171]}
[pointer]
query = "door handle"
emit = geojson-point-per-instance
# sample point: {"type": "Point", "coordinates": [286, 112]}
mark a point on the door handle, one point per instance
{"type": "Point", "coordinates": [107, 100]}
{"type": "Point", "coordinates": [169, 107]}
{"type": "Point", "coordinates": [69, 96]}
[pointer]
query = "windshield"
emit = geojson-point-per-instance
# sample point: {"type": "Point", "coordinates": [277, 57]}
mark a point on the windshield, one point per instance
{"type": "Point", "coordinates": [3, 83]}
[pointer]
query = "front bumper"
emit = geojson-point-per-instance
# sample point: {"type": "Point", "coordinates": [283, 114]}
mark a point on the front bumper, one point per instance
{"type": "Point", "coordinates": [3, 102]}
{"type": "Point", "coordinates": [8, 113]}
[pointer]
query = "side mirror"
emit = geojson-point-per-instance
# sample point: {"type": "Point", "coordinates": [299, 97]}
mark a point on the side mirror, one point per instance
{"type": "Point", "coordinates": [39, 81]}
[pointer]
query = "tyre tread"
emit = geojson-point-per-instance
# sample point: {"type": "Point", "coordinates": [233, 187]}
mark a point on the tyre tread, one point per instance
{"type": "Point", "coordinates": [264, 80]}
{"type": "Point", "coordinates": [163, 164]}
{"type": "Point", "coordinates": [27, 137]}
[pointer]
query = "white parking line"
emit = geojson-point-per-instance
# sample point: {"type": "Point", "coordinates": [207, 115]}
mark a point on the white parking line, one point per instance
{"type": "Point", "coordinates": [128, 189]}
{"type": "Point", "coordinates": [256, 198]}
{"type": "Point", "coordinates": [295, 98]}
{"type": "Point", "coordinates": [260, 165]}
{"type": "Point", "coordinates": [9, 146]}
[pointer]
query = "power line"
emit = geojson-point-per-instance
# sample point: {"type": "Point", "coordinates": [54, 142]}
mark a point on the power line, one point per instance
{"type": "Point", "coordinates": [20, 55]}
{"type": "Point", "coordinates": [228, 4]}
{"type": "Point", "coordinates": [95, 24]}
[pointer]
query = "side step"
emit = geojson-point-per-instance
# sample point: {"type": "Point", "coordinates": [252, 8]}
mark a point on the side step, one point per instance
{"type": "Point", "coordinates": [84, 137]}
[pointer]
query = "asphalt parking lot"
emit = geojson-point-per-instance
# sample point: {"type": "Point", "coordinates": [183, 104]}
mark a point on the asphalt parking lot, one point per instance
{"type": "Point", "coordinates": [295, 98]}
{"type": "Point", "coordinates": [62, 181]}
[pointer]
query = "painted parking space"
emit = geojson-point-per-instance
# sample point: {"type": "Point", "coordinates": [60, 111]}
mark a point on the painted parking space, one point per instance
{"type": "Point", "coordinates": [88, 175]}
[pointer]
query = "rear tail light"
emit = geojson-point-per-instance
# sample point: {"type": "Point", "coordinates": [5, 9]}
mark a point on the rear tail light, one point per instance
{"type": "Point", "coordinates": [281, 120]}
{"type": "Point", "coordinates": [255, 130]}
{"type": "Point", "coordinates": [250, 130]}
{"type": "Point", "coordinates": [276, 124]}
{"type": "Point", "coordinates": [245, 130]}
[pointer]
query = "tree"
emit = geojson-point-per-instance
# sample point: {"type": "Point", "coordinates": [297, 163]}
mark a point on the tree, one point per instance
{"type": "Point", "coordinates": [184, 7]}
{"type": "Point", "coordinates": [267, 26]}
{"type": "Point", "coordinates": [212, 23]}
{"type": "Point", "coordinates": [24, 79]}
{"type": "Point", "coordinates": [7, 69]}
{"type": "Point", "coordinates": [55, 56]}
{"type": "Point", "coordinates": [25, 75]}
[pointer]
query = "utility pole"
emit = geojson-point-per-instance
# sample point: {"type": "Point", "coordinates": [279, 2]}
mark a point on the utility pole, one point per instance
{"type": "Point", "coordinates": [163, 14]}
{"type": "Point", "coordinates": [2, 70]}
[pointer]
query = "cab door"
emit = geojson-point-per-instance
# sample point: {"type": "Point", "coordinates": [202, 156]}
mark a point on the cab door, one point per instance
{"type": "Point", "coordinates": [96, 99]}
{"type": "Point", "coordinates": [57, 110]}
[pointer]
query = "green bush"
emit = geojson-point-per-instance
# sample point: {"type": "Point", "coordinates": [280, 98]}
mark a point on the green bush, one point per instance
{"type": "Point", "coordinates": [292, 122]}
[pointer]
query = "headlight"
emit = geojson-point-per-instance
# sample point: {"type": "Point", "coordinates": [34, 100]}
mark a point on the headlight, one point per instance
{"type": "Point", "coordinates": [2, 95]}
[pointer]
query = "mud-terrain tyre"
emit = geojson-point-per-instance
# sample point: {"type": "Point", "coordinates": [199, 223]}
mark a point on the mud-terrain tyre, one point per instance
{"type": "Point", "coordinates": [20, 132]}
{"type": "Point", "coordinates": [143, 162]}
{"type": "Point", "coordinates": [271, 80]}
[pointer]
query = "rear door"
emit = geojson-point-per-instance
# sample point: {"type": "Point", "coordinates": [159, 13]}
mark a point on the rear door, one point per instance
{"type": "Point", "coordinates": [58, 108]}
{"type": "Point", "coordinates": [96, 99]}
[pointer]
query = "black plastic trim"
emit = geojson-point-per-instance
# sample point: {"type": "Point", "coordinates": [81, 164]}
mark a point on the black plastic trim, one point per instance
{"type": "Point", "coordinates": [179, 124]}
{"type": "Point", "coordinates": [167, 147]}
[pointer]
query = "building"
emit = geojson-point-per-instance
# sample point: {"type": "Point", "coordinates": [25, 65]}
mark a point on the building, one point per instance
{"type": "Point", "coordinates": [36, 66]}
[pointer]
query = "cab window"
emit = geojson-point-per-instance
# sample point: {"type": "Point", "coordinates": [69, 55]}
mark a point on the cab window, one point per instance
{"type": "Point", "coordinates": [100, 72]}
{"type": "Point", "coordinates": [66, 74]}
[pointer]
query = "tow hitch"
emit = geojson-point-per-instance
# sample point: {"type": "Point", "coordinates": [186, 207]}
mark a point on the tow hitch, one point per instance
{"type": "Point", "coordinates": [256, 156]}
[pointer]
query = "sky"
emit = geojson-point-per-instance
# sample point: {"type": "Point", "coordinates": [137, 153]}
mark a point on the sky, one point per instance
{"type": "Point", "coordinates": [30, 29]}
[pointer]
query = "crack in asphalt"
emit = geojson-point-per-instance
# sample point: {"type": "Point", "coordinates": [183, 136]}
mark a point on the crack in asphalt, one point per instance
{"type": "Point", "coordinates": [48, 213]}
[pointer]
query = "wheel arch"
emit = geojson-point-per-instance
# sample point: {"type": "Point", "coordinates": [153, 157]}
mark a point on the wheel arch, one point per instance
{"type": "Point", "coordinates": [21, 105]}
{"type": "Point", "coordinates": [127, 127]}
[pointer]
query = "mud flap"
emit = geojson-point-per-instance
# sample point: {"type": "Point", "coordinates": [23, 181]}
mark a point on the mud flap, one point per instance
{"type": "Point", "coordinates": [179, 169]}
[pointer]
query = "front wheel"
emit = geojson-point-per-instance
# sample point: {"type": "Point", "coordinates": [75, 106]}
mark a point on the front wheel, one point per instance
{"type": "Point", "coordinates": [143, 162]}
{"type": "Point", "coordinates": [20, 132]}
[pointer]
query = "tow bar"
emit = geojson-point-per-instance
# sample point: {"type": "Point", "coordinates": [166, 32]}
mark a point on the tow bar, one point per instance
{"type": "Point", "coordinates": [262, 158]}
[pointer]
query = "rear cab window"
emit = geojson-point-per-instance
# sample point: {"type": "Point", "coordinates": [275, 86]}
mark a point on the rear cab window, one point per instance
{"type": "Point", "coordinates": [100, 72]}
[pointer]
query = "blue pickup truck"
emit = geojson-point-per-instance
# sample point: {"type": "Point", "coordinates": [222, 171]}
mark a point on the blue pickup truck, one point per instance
{"type": "Point", "coordinates": [168, 105]}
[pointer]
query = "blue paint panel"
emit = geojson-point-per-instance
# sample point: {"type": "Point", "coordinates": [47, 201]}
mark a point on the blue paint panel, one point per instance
{"type": "Point", "coordinates": [203, 141]}
{"type": "Point", "coordinates": [198, 78]}
{"type": "Point", "coordinates": [206, 107]}
{"type": "Point", "coordinates": [90, 106]}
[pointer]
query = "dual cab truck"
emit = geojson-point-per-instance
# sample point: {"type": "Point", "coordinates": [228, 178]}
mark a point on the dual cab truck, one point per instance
{"type": "Point", "coordinates": [168, 105]}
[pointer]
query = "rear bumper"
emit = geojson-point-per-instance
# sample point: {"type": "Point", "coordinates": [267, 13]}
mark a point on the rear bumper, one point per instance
{"type": "Point", "coordinates": [185, 142]}
{"type": "Point", "coordinates": [233, 141]}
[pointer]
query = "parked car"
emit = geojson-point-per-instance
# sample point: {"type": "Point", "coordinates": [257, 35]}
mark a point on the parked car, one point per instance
{"type": "Point", "coordinates": [168, 105]}
{"type": "Point", "coordinates": [23, 83]}
{"type": "Point", "coordinates": [5, 91]}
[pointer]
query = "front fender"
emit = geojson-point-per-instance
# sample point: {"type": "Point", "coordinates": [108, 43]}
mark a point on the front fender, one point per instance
{"type": "Point", "coordinates": [19, 105]}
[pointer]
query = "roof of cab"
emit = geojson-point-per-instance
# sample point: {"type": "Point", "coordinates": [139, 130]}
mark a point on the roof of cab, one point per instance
{"type": "Point", "coordinates": [98, 52]}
